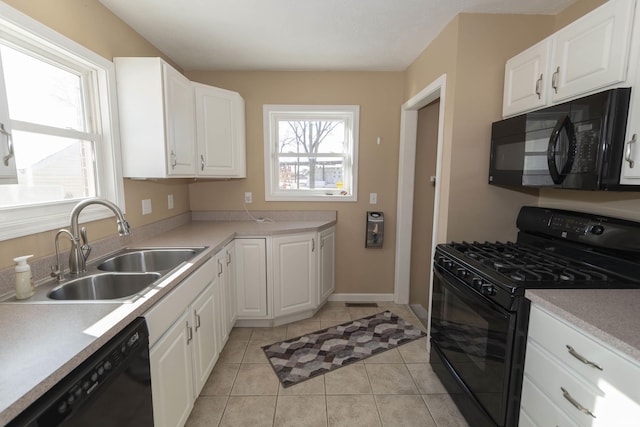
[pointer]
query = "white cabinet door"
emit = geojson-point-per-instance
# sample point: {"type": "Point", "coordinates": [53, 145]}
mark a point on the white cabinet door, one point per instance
{"type": "Point", "coordinates": [8, 172]}
{"type": "Point", "coordinates": [172, 376]}
{"type": "Point", "coordinates": [205, 347]}
{"type": "Point", "coordinates": [251, 278]}
{"type": "Point", "coordinates": [220, 119]}
{"type": "Point", "coordinates": [294, 273]}
{"type": "Point", "coordinates": [326, 270]}
{"type": "Point", "coordinates": [592, 52]}
{"type": "Point", "coordinates": [157, 119]}
{"type": "Point", "coordinates": [526, 78]}
{"type": "Point", "coordinates": [230, 284]}
{"type": "Point", "coordinates": [180, 122]}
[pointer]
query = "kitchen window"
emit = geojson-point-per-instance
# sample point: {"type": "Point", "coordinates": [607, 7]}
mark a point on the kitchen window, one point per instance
{"type": "Point", "coordinates": [61, 116]}
{"type": "Point", "coordinates": [311, 152]}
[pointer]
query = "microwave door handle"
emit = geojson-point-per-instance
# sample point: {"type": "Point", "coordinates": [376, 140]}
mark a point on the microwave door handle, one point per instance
{"type": "Point", "coordinates": [559, 176]}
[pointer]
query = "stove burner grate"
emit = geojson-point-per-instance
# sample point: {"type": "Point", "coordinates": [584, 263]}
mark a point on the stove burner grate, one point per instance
{"type": "Point", "coordinates": [523, 264]}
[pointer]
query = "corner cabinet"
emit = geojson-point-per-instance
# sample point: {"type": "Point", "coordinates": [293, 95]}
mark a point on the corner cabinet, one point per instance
{"type": "Point", "coordinates": [587, 55]}
{"type": "Point", "coordinates": [220, 132]}
{"type": "Point", "coordinates": [326, 264]}
{"type": "Point", "coordinates": [171, 127]}
{"type": "Point", "coordinates": [157, 119]}
{"type": "Point", "coordinates": [294, 273]}
{"type": "Point", "coordinates": [572, 379]}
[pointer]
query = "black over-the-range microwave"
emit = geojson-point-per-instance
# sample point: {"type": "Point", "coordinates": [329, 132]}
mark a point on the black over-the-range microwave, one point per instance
{"type": "Point", "coordinates": [576, 145]}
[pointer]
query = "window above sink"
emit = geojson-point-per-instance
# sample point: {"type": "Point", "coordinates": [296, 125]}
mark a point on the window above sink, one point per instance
{"type": "Point", "coordinates": [63, 121]}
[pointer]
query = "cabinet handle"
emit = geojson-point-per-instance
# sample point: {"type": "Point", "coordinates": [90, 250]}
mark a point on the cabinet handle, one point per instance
{"type": "Point", "coordinates": [10, 154]}
{"type": "Point", "coordinates": [197, 316]}
{"type": "Point", "coordinates": [228, 257]}
{"type": "Point", "coordinates": [201, 162]}
{"type": "Point", "coordinates": [554, 79]}
{"type": "Point", "coordinates": [313, 245]}
{"type": "Point", "coordinates": [582, 358]}
{"type": "Point", "coordinates": [219, 268]}
{"type": "Point", "coordinates": [189, 333]}
{"type": "Point", "coordinates": [174, 161]}
{"type": "Point", "coordinates": [539, 87]}
{"type": "Point", "coordinates": [627, 151]}
{"type": "Point", "coordinates": [575, 403]}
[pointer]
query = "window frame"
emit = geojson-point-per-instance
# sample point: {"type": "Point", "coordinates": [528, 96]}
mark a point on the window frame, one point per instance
{"type": "Point", "coordinates": [20, 29]}
{"type": "Point", "coordinates": [271, 113]}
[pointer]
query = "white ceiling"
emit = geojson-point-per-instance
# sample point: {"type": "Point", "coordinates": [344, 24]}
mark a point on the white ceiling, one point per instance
{"type": "Point", "coordinates": [375, 35]}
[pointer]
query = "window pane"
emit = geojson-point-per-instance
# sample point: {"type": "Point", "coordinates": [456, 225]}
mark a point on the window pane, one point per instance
{"type": "Point", "coordinates": [50, 169]}
{"type": "Point", "coordinates": [311, 136]}
{"type": "Point", "coordinates": [41, 93]}
{"type": "Point", "coordinates": [309, 173]}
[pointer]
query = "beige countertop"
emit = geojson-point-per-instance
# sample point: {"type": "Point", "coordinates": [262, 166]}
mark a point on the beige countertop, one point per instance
{"type": "Point", "coordinates": [610, 315]}
{"type": "Point", "coordinates": [43, 342]}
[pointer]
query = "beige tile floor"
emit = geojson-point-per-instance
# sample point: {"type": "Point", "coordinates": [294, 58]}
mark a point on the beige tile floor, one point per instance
{"type": "Point", "coordinates": [395, 388]}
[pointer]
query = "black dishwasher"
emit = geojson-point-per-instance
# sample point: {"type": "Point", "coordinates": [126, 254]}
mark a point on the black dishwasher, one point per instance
{"type": "Point", "coordinates": [111, 388]}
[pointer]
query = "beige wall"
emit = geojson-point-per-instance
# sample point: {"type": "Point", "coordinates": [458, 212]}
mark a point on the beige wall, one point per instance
{"type": "Point", "coordinates": [358, 270]}
{"type": "Point", "coordinates": [93, 26]}
{"type": "Point", "coordinates": [472, 51]}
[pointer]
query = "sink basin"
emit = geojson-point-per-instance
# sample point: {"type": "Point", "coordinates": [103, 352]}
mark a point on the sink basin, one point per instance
{"type": "Point", "coordinates": [148, 260]}
{"type": "Point", "coordinates": [103, 286]}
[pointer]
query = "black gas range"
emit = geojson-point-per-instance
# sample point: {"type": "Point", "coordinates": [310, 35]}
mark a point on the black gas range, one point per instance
{"type": "Point", "coordinates": [480, 315]}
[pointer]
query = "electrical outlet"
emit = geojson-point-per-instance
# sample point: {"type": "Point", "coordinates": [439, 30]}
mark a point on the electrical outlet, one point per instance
{"type": "Point", "coordinates": [170, 201]}
{"type": "Point", "coordinates": [248, 197]}
{"type": "Point", "coordinates": [146, 206]}
{"type": "Point", "coordinates": [373, 198]}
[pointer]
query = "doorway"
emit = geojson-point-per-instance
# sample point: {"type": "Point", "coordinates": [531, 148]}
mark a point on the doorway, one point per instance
{"type": "Point", "coordinates": [423, 204]}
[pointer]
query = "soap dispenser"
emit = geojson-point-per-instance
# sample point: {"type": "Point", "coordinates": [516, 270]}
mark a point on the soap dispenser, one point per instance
{"type": "Point", "coordinates": [24, 281]}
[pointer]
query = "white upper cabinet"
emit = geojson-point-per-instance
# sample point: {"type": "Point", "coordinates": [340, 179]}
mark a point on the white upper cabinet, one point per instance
{"type": "Point", "coordinates": [8, 172]}
{"type": "Point", "coordinates": [525, 78]}
{"type": "Point", "coordinates": [584, 57]}
{"type": "Point", "coordinates": [220, 132]}
{"type": "Point", "coordinates": [157, 119]}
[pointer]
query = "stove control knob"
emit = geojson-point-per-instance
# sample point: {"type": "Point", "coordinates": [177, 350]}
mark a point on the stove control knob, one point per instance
{"type": "Point", "coordinates": [462, 272]}
{"type": "Point", "coordinates": [597, 230]}
{"type": "Point", "coordinates": [488, 289]}
{"type": "Point", "coordinates": [446, 263]}
{"type": "Point", "coordinates": [477, 282]}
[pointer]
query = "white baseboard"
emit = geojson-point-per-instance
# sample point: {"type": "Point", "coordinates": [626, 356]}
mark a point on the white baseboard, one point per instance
{"type": "Point", "coordinates": [361, 297]}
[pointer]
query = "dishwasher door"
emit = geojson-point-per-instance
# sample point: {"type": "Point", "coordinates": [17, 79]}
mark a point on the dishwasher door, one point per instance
{"type": "Point", "coordinates": [111, 388]}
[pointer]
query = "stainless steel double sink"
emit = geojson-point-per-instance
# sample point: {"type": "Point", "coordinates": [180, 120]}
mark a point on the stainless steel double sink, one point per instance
{"type": "Point", "coordinates": [122, 275]}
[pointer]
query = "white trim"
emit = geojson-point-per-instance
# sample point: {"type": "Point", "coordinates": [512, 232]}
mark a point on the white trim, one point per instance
{"type": "Point", "coordinates": [270, 111]}
{"type": "Point", "coordinates": [406, 172]}
{"type": "Point", "coordinates": [38, 218]}
{"type": "Point", "coordinates": [361, 297]}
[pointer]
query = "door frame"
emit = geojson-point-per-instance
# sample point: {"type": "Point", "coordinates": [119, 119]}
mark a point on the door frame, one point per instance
{"type": "Point", "coordinates": [406, 175]}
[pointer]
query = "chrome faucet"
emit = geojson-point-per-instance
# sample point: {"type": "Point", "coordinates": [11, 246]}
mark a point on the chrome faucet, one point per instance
{"type": "Point", "coordinates": [57, 271]}
{"type": "Point", "coordinates": [79, 254]}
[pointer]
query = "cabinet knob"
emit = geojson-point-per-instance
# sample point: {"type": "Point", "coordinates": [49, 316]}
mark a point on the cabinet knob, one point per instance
{"type": "Point", "coordinates": [554, 79]}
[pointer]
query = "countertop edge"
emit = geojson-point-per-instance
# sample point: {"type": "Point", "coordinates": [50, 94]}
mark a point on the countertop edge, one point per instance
{"type": "Point", "coordinates": [565, 305]}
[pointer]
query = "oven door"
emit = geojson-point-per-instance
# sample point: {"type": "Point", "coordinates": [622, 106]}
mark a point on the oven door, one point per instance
{"type": "Point", "coordinates": [472, 341]}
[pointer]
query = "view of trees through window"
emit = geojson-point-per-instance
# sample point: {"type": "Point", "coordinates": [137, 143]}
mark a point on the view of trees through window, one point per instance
{"type": "Point", "coordinates": [311, 154]}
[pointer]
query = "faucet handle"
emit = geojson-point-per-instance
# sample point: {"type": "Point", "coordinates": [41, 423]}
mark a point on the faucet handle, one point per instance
{"type": "Point", "coordinates": [57, 272]}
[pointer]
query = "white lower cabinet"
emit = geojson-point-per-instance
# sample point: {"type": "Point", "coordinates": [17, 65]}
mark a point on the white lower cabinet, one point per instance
{"type": "Point", "coordinates": [251, 278]}
{"type": "Point", "coordinates": [326, 264]}
{"type": "Point", "coordinates": [572, 379]}
{"type": "Point", "coordinates": [184, 345]}
{"type": "Point", "coordinates": [294, 273]}
{"type": "Point", "coordinates": [227, 285]}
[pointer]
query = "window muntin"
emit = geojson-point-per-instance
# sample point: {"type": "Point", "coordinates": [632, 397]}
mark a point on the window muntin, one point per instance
{"type": "Point", "coordinates": [75, 115]}
{"type": "Point", "coordinates": [311, 152]}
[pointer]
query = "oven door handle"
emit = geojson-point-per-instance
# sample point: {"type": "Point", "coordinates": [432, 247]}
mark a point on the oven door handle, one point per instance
{"type": "Point", "coordinates": [559, 176]}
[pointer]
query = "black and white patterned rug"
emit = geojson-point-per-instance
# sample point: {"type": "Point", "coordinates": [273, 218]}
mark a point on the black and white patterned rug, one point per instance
{"type": "Point", "coordinates": [297, 359]}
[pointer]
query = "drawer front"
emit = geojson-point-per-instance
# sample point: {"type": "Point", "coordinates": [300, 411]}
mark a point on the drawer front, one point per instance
{"type": "Point", "coordinates": [538, 410]}
{"type": "Point", "coordinates": [560, 385]}
{"type": "Point", "coordinates": [554, 335]}
{"type": "Point", "coordinates": [162, 315]}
